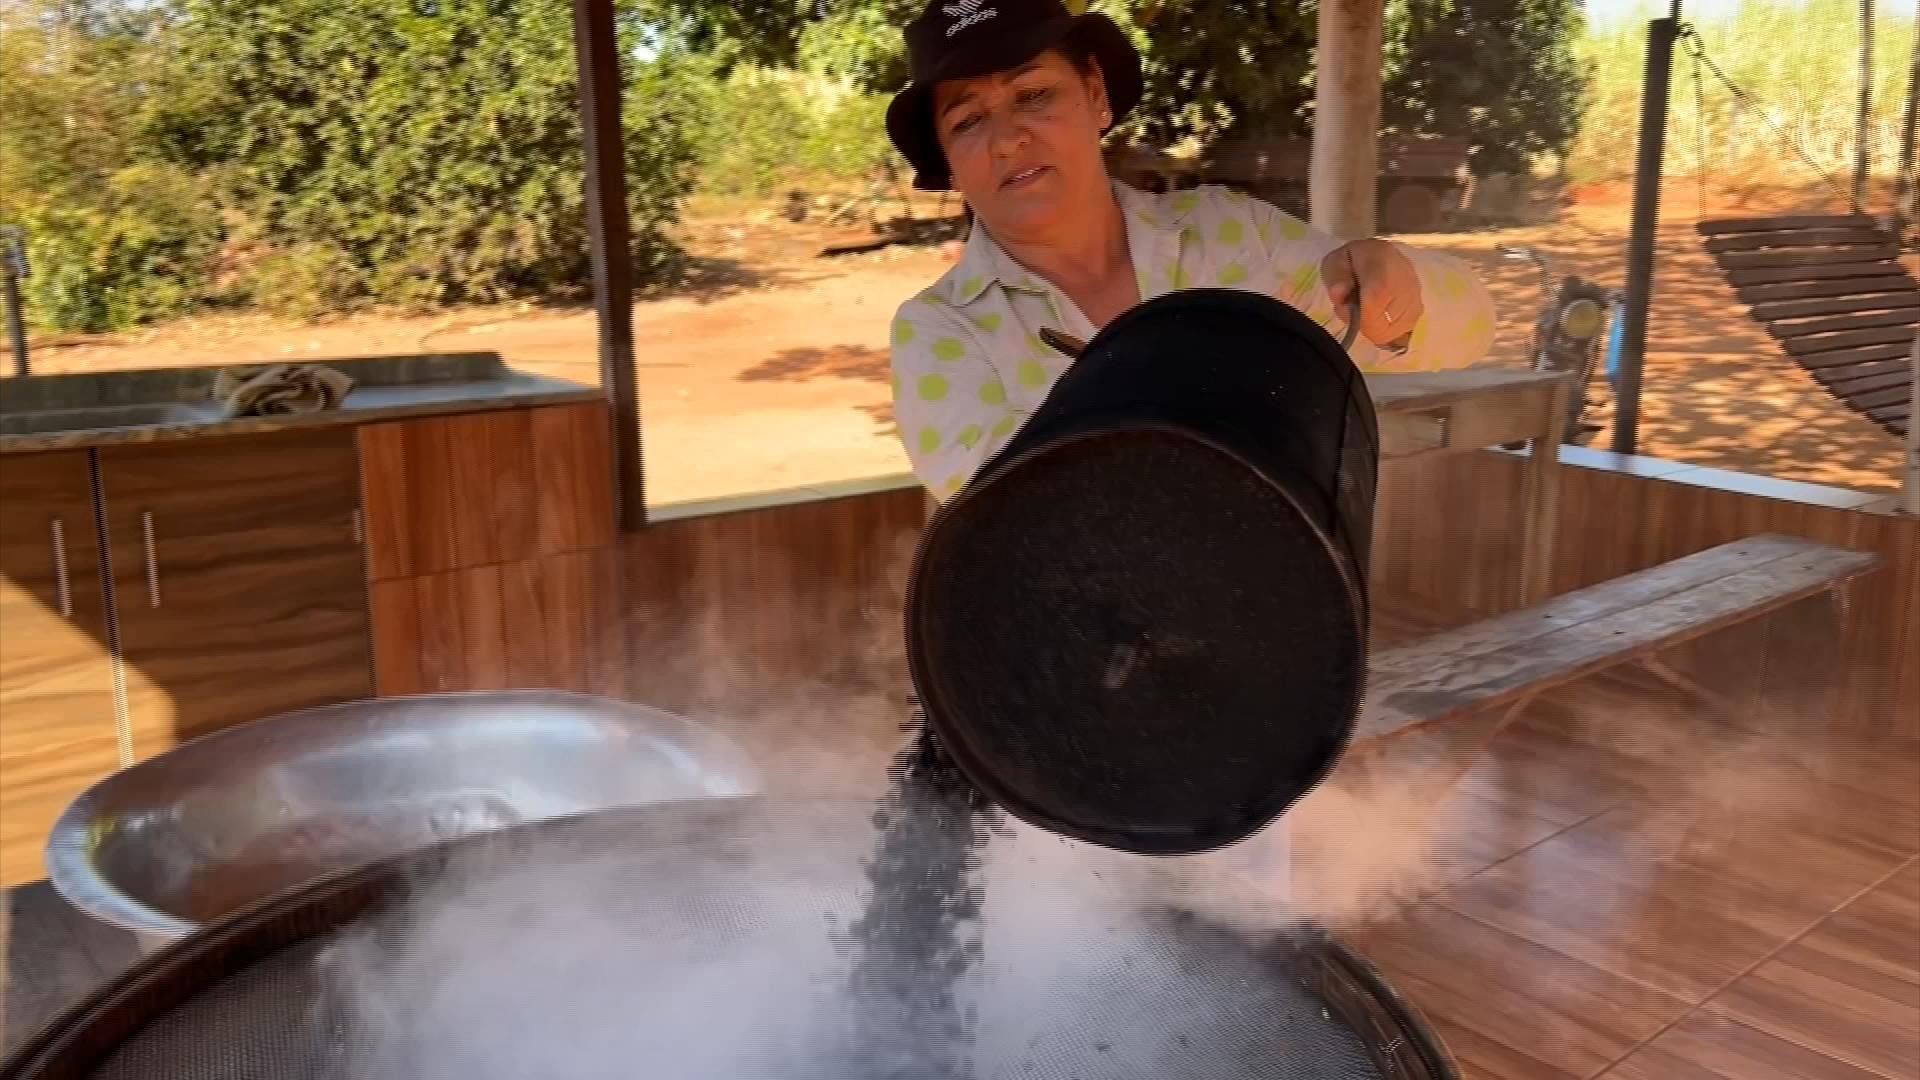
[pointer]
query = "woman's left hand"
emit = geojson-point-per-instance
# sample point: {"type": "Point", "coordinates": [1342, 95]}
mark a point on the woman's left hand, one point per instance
{"type": "Point", "coordinates": [1390, 302]}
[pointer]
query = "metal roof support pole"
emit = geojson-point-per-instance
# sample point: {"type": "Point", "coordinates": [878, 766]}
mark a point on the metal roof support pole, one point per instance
{"type": "Point", "coordinates": [1661, 34]}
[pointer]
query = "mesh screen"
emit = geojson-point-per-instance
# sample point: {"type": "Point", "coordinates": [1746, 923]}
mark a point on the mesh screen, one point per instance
{"type": "Point", "coordinates": [1165, 666]}
{"type": "Point", "coordinates": [1142, 624]}
{"type": "Point", "coordinates": [1080, 972]}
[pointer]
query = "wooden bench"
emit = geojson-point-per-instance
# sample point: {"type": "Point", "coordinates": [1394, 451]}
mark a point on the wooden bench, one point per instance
{"type": "Point", "coordinates": [1509, 659]}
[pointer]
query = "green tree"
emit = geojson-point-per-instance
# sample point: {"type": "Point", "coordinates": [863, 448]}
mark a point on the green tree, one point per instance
{"type": "Point", "coordinates": [1501, 72]}
{"type": "Point", "coordinates": [416, 151]}
{"type": "Point", "coordinates": [113, 238]}
{"type": "Point", "coordinates": [1219, 66]}
{"type": "Point", "coordinates": [859, 40]}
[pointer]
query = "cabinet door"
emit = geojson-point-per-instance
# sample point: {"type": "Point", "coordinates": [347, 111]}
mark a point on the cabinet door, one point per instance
{"type": "Point", "coordinates": [238, 579]}
{"type": "Point", "coordinates": [449, 493]}
{"type": "Point", "coordinates": [58, 732]}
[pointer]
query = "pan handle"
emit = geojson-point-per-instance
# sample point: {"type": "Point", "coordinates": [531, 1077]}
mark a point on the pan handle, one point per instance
{"type": "Point", "coordinates": [1353, 322]}
{"type": "Point", "coordinates": [1065, 344]}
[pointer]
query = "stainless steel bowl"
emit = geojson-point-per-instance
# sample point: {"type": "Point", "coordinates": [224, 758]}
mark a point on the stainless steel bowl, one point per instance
{"type": "Point", "coordinates": [229, 818]}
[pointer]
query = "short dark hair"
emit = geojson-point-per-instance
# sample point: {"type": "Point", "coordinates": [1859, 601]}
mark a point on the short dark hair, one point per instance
{"type": "Point", "coordinates": [1078, 51]}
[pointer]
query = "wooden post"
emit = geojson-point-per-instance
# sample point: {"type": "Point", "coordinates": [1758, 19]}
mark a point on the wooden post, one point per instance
{"type": "Point", "coordinates": [1661, 34]}
{"type": "Point", "coordinates": [609, 231]}
{"type": "Point", "coordinates": [1910, 484]}
{"type": "Point", "coordinates": [1903, 197]}
{"type": "Point", "coordinates": [1342, 183]}
{"type": "Point", "coordinates": [1862, 123]}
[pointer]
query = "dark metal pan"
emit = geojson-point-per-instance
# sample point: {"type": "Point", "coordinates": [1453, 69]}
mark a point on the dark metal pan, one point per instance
{"type": "Point", "coordinates": [1143, 624]}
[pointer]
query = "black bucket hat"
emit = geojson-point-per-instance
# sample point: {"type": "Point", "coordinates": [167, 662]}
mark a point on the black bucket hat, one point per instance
{"type": "Point", "coordinates": [963, 39]}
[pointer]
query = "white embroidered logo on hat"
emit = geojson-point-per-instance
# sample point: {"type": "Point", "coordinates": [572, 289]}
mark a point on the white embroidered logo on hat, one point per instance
{"type": "Point", "coordinates": [967, 12]}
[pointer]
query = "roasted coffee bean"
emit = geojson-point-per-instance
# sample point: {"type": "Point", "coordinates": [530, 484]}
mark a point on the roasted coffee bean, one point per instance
{"type": "Point", "coordinates": [919, 935]}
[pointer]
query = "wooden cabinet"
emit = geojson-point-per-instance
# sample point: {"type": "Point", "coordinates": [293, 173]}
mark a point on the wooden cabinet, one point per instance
{"type": "Point", "coordinates": [490, 551]}
{"type": "Point", "coordinates": [58, 726]}
{"type": "Point", "coordinates": [154, 592]}
{"type": "Point", "coordinates": [454, 492]}
{"type": "Point", "coordinates": [238, 579]}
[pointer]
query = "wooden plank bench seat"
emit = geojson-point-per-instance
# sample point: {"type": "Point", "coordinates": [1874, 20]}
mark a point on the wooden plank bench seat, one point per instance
{"type": "Point", "coordinates": [1833, 292]}
{"type": "Point", "coordinates": [1507, 660]}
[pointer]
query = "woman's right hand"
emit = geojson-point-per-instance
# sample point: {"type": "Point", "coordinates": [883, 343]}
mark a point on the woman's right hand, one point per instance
{"type": "Point", "coordinates": [1390, 296]}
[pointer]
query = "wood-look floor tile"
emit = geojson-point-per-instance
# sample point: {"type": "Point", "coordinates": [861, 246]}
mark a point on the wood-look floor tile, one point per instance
{"type": "Point", "coordinates": [1882, 780]}
{"type": "Point", "coordinates": [1598, 744]}
{"type": "Point", "coordinates": [1850, 988]}
{"type": "Point", "coordinates": [1678, 904]}
{"type": "Point", "coordinates": [1707, 1047]}
{"type": "Point", "coordinates": [1481, 1058]}
{"type": "Point", "coordinates": [1380, 833]}
{"type": "Point", "coordinates": [1532, 768]}
{"type": "Point", "coordinates": [1476, 831]}
{"type": "Point", "coordinates": [1533, 1003]}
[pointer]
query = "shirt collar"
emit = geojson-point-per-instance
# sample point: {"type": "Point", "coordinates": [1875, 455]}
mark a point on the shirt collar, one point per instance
{"type": "Point", "coordinates": [1153, 239]}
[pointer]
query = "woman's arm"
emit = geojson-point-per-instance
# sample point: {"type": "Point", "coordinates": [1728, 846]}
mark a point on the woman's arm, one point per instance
{"type": "Point", "coordinates": [949, 402]}
{"type": "Point", "coordinates": [1455, 329]}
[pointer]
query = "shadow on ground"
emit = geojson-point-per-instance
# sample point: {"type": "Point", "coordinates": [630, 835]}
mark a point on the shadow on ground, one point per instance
{"type": "Point", "coordinates": [833, 362]}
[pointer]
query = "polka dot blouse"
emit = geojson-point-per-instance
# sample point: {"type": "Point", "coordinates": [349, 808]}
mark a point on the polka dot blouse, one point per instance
{"type": "Point", "coordinates": [969, 366]}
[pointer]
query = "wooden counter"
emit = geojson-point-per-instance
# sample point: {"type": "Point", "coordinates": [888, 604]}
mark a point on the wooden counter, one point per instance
{"type": "Point", "coordinates": [155, 590]}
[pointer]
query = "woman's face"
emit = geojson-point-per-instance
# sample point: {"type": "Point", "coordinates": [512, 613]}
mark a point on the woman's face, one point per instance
{"type": "Point", "coordinates": [1024, 145]}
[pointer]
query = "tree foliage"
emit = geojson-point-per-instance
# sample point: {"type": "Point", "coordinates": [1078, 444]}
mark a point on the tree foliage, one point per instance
{"type": "Point", "coordinates": [314, 154]}
{"type": "Point", "coordinates": [311, 155]}
{"type": "Point", "coordinates": [114, 237]}
{"type": "Point", "coordinates": [1204, 80]}
{"type": "Point", "coordinates": [1501, 72]}
{"type": "Point", "coordinates": [430, 150]}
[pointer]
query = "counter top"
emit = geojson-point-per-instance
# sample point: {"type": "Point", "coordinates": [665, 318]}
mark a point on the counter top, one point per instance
{"type": "Point", "coordinates": [385, 388]}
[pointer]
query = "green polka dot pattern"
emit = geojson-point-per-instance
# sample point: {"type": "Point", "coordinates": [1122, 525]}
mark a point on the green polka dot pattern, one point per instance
{"type": "Point", "coordinates": [967, 360]}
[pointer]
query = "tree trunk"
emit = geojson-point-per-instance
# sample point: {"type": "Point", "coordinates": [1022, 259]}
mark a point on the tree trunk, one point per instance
{"type": "Point", "coordinates": [1903, 202]}
{"type": "Point", "coordinates": [1862, 124]}
{"type": "Point", "coordinates": [1346, 118]}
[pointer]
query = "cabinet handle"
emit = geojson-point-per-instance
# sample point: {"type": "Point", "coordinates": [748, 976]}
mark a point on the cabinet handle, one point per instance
{"type": "Point", "coordinates": [61, 590]}
{"type": "Point", "coordinates": [153, 560]}
{"type": "Point", "coordinates": [359, 527]}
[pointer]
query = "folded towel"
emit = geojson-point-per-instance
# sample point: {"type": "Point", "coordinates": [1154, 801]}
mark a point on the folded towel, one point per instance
{"type": "Point", "coordinates": [281, 389]}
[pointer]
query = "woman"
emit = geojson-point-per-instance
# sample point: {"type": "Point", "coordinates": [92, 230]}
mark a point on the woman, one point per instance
{"type": "Point", "coordinates": [1008, 104]}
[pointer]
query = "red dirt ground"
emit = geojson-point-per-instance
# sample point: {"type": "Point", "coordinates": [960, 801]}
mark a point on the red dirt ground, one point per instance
{"type": "Point", "coordinates": [769, 369]}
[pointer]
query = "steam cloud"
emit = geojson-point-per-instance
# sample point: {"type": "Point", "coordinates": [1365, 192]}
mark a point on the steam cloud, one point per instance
{"type": "Point", "coordinates": [569, 966]}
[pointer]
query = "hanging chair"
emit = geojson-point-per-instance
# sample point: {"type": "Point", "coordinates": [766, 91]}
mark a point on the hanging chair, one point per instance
{"type": "Point", "coordinates": [1832, 291]}
{"type": "Point", "coordinates": [1830, 288]}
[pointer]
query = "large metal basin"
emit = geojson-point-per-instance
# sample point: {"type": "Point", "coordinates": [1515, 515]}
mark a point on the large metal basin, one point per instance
{"type": "Point", "coordinates": [229, 818]}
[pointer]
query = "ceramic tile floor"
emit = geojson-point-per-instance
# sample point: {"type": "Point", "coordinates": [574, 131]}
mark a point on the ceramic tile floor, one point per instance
{"type": "Point", "coordinates": [1612, 908]}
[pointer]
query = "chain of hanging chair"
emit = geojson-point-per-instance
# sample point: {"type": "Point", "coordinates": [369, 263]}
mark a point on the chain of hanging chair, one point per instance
{"type": "Point", "coordinates": [1690, 41]}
